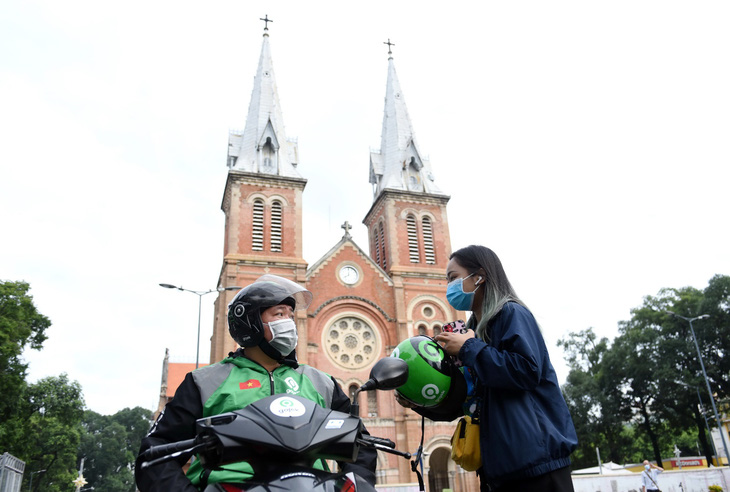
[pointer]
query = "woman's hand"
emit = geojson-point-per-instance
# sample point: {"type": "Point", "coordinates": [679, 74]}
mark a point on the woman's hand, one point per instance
{"type": "Point", "coordinates": [404, 403]}
{"type": "Point", "coordinates": [452, 342]}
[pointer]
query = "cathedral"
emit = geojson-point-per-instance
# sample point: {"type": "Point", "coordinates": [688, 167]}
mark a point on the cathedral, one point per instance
{"type": "Point", "coordinates": [365, 302]}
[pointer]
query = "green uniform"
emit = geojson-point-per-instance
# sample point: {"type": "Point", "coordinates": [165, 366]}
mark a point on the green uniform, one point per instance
{"type": "Point", "coordinates": [236, 382]}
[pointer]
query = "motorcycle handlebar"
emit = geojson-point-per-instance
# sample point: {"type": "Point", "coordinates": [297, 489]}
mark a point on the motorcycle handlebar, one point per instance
{"type": "Point", "coordinates": [382, 444]}
{"type": "Point", "coordinates": [379, 440]}
{"type": "Point", "coordinates": [165, 449]}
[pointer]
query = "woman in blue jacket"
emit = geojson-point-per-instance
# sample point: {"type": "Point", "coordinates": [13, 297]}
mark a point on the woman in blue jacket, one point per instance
{"type": "Point", "coordinates": [526, 432]}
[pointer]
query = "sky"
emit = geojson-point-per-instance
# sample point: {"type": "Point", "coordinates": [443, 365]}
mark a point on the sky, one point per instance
{"type": "Point", "coordinates": [585, 142]}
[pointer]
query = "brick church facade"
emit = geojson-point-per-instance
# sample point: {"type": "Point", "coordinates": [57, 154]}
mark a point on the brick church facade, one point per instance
{"type": "Point", "coordinates": [365, 302]}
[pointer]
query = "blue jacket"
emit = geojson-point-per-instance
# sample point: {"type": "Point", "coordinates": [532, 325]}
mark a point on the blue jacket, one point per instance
{"type": "Point", "coordinates": [525, 428]}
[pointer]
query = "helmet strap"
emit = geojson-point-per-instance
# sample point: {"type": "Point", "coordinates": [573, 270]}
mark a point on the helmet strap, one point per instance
{"type": "Point", "coordinates": [417, 461]}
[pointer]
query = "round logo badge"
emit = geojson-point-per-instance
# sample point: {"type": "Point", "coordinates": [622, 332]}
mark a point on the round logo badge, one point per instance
{"type": "Point", "coordinates": [430, 391]}
{"type": "Point", "coordinates": [287, 407]}
{"type": "Point", "coordinates": [429, 350]}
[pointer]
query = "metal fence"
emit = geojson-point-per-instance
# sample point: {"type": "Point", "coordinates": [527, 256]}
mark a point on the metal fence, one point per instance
{"type": "Point", "coordinates": [11, 473]}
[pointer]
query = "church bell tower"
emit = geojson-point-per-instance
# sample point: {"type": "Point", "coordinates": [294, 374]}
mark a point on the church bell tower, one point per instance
{"type": "Point", "coordinates": [407, 222]}
{"type": "Point", "coordinates": [262, 200]}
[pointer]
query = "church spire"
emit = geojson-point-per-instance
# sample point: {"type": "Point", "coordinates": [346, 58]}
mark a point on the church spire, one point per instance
{"type": "Point", "coordinates": [263, 146]}
{"type": "Point", "coordinates": [399, 165]}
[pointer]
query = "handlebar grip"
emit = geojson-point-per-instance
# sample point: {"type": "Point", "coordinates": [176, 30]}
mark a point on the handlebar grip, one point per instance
{"type": "Point", "coordinates": [165, 449]}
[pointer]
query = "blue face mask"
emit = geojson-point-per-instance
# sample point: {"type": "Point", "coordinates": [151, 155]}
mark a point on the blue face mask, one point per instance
{"type": "Point", "coordinates": [457, 297]}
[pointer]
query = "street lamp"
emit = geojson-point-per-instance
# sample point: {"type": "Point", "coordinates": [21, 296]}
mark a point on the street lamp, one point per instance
{"type": "Point", "coordinates": [707, 381]}
{"type": "Point", "coordinates": [200, 294]}
{"type": "Point", "coordinates": [30, 485]}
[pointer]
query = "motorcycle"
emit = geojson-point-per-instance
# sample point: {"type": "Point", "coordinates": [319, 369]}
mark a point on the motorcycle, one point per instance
{"type": "Point", "coordinates": [281, 437]}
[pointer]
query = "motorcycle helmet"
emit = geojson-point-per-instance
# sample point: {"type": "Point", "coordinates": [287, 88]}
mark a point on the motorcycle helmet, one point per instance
{"type": "Point", "coordinates": [429, 371]}
{"type": "Point", "coordinates": [244, 311]}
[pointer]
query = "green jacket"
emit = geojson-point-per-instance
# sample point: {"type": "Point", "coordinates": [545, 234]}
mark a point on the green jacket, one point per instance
{"type": "Point", "coordinates": [236, 382]}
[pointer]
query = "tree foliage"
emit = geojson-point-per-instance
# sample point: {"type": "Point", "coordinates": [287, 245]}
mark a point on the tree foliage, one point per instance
{"type": "Point", "coordinates": [45, 425]}
{"type": "Point", "coordinates": [21, 325]}
{"type": "Point", "coordinates": [49, 424]}
{"type": "Point", "coordinates": [109, 446]}
{"type": "Point", "coordinates": [636, 397]}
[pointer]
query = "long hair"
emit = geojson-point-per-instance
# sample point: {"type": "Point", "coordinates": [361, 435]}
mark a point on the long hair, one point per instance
{"type": "Point", "coordinates": [497, 289]}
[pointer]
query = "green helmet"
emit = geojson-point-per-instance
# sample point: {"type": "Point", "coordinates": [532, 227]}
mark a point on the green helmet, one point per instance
{"type": "Point", "coordinates": [429, 371]}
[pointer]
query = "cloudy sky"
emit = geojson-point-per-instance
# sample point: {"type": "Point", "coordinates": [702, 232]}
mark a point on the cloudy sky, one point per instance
{"type": "Point", "coordinates": [585, 142]}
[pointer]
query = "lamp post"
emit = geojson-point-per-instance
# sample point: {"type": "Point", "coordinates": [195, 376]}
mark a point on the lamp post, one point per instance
{"type": "Point", "coordinates": [707, 381]}
{"type": "Point", "coordinates": [200, 294]}
{"type": "Point", "coordinates": [30, 485]}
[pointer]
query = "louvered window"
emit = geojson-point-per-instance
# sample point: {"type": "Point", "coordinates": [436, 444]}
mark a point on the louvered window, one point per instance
{"type": "Point", "coordinates": [382, 247]}
{"type": "Point", "coordinates": [276, 226]}
{"type": "Point", "coordinates": [428, 241]}
{"type": "Point", "coordinates": [258, 225]}
{"type": "Point", "coordinates": [376, 245]}
{"type": "Point", "coordinates": [412, 239]}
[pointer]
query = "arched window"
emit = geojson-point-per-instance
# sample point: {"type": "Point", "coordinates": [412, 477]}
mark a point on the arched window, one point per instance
{"type": "Point", "coordinates": [372, 403]}
{"type": "Point", "coordinates": [427, 232]}
{"type": "Point", "coordinates": [258, 225]}
{"type": "Point", "coordinates": [421, 329]}
{"type": "Point", "coordinates": [437, 329]}
{"type": "Point", "coordinates": [351, 390]}
{"type": "Point", "coordinates": [276, 226]}
{"type": "Point", "coordinates": [412, 239]}
{"type": "Point", "coordinates": [382, 248]}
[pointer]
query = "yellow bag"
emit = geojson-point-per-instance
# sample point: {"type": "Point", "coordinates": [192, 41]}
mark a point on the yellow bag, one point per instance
{"type": "Point", "coordinates": [465, 444]}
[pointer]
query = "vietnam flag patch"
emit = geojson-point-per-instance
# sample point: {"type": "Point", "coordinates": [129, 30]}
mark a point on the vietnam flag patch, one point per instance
{"type": "Point", "coordinates": [251, 383]}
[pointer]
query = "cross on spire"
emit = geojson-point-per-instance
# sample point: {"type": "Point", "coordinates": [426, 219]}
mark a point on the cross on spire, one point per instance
{"type": "Point", "coordinates": [389, 45]}
{"type": "Point", "coordinates": [346, 226]}
{"type": "Point", "coordinates": [266, 21]}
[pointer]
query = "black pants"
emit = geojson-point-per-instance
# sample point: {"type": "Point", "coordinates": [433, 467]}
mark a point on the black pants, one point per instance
{"type": "Point", "coordinates": [555, 481]}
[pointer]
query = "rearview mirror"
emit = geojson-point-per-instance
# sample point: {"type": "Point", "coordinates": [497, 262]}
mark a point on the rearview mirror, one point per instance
{"type": "Point", "coordinates": [389, 373]}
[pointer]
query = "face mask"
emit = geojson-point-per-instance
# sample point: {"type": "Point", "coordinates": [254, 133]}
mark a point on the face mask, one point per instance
{"type": "Point", "coordinates": [284, 335]}
{"type": "Point", "coordinates": [647, 467]}
{"type": "Point", "coordinates": [457, 297]}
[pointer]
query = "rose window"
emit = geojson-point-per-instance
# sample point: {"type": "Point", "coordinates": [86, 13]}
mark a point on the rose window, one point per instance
{"type": "Point", "coordinates": [351, 343]}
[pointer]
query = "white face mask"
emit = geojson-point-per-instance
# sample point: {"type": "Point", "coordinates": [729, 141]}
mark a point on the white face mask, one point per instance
{"type": "Point", "coordinates": [283, 335]}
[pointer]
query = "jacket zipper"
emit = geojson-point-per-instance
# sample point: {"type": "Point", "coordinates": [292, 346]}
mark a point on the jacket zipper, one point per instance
{"type": "Point", "coordinates": [271, 381]}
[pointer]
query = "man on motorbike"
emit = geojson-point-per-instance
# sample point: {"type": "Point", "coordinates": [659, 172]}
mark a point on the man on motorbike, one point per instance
{"type": "Point", "coordinates": [261, 321]}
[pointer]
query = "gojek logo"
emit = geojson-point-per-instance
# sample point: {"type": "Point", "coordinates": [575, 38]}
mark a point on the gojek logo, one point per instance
{"type": "Point", "coordinates": [430, 351]}
{"type": "Point", "coordinates": [287, 407]}
{"type": "Point", "coordinates": [293, 386]}
{"type": "Point", "coordinates": [430, 391]}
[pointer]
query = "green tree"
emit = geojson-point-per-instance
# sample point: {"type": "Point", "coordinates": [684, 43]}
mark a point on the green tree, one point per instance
{"type": "Point", "coordinates": [590, 394]}
{"type": "Point", "coordinates": [50, 420]}
{"type": "Point", "coordinates": [645, 385]}
{"type": "Point", "coordinates": [21, 325]}
{"type": "Point", "coordinates": [109, 446]}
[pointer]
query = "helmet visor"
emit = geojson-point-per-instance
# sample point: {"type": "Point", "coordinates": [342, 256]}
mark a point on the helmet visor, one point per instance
{"type": "Point", "coordinates": [269, 290]}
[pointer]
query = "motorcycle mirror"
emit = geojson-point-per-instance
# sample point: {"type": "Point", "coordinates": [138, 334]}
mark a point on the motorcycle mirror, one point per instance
{"type": "Point", "coordinates": [389, 373]}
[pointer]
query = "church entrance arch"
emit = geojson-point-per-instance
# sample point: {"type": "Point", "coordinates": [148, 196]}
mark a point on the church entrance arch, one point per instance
{"type": "Point", "coordinates": [438, 473]}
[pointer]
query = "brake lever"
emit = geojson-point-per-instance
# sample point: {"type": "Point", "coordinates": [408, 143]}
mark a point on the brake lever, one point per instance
{"type": "Point", "coordinates": [385, 449]}
{"type": "Point", "coordinates": [187, 453]}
